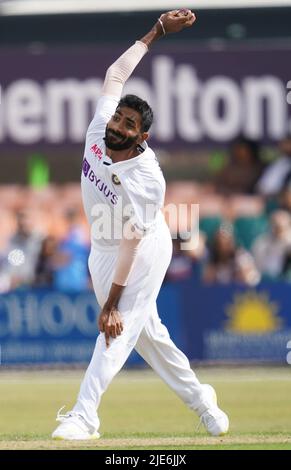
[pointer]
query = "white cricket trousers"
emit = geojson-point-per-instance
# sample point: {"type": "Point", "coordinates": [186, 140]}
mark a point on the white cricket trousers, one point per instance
{"type": "Point", "coordinates": [143, 329]}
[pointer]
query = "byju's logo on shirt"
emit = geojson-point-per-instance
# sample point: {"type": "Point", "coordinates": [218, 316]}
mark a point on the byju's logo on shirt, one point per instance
{"type": "Point", "coordinates": [86, 167]}
{"type": "Point", "coordinates": [100, 185]}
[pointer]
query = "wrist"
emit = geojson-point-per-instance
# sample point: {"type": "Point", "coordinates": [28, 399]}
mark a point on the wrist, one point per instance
{"type": "Point", "coordinates": [113, 297]}
{"type": "Point", "coordinates": [159, 29]}
{"type": "Point", "coordinates": [109, 305]}
{"type": "Point", "coordinates": [153, 35]}
{"type": "Point", "coordinates": [162, 26]}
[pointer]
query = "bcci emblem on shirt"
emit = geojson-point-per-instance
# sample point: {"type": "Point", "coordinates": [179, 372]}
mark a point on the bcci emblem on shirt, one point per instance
{"type": "Point", "coordinates": [115, 179]}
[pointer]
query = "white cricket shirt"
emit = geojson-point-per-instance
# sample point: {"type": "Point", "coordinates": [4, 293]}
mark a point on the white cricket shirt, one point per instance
{"type": "Point", "coordinates": [115, 192]}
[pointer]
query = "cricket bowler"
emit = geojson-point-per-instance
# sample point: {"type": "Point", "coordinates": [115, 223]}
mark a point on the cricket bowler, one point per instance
{"type": "Point", "coordinates": [124, 188]}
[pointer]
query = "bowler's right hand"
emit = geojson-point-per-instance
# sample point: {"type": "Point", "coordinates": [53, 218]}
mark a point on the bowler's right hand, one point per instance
{"type": "Point", "coordinates": [176, 20]}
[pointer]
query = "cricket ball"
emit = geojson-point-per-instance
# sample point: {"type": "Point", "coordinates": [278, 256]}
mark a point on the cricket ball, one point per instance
{"type": "Point", "coordinates": [183, 11]}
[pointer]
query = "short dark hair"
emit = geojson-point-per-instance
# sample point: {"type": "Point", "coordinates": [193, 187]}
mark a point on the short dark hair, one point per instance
{"type": "Point", "coordinates": [142, 107]}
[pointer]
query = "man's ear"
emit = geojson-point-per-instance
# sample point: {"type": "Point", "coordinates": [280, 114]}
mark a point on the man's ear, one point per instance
{"type": "Point", "coordinates": [145, 136]}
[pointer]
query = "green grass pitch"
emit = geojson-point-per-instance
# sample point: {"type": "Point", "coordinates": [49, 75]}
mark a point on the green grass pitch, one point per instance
{"type": "Point", "coordinates": [139, 412]}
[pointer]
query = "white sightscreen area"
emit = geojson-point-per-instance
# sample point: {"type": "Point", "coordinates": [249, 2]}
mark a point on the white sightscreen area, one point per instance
{"type": "Point", "coordinates": [28, 7]}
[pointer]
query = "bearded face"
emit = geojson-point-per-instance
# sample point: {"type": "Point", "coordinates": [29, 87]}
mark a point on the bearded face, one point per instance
{"type": "Point", "coordinates": [115, 140]}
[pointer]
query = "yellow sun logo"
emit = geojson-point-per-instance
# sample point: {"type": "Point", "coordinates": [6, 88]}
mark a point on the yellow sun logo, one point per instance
{"type": "Point", "coordinates": [253, 312]}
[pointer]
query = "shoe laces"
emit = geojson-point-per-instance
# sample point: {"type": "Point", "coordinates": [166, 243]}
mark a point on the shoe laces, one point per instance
{"type": "Point", "coordinates": [61, 417]}
{"type": "Point", "coordinates": [80, 421]}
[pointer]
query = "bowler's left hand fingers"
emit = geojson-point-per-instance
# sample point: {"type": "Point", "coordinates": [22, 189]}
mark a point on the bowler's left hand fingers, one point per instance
{"type": "Point", "coordinates": [107, 338]}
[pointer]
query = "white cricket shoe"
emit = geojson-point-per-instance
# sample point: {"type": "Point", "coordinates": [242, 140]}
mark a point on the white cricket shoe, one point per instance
{"type": "Point", "coordinates": [73, 427]}
{"type": "Point", "coordinates": [213, 418]}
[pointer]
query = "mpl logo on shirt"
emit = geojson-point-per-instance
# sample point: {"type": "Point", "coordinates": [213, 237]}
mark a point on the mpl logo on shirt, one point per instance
{"type": "Point", "coordinates": [97, 151]}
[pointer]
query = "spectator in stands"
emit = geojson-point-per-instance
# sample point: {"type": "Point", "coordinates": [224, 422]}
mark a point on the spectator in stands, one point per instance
{"type": "Point", "coordinates": [46, 263]}
{"type": "Point", "coordinates": [277, 175]}
{"type": "Point", "coordinates": [243, 170]}
{"type": "Point", "coordinates": [180, 267]}
{"type": "Point", "coordinates": [228, 263]}
{"type": "Point", "coordinates": [246, 271]}
{"type": "Point", "coordinates": [21, 255]}
{"type": "Point", "coordinates": [286, 275]}
{"type": "Point", "coordinates": [285, 197]}
{"type": "Point", "coordinates": [186, 258]}
{"type": "Point", "coordinates": [4, 276]}
{"type": "Point", "coordinates": [71, 259]}
{"type": "Point", "coordinates": [270, 250]}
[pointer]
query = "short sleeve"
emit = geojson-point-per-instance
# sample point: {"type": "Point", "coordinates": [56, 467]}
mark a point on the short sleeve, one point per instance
{"type": "Point", "coordinates": [146, 198]}
{"type": "Point", "coordinates": [105, 109]}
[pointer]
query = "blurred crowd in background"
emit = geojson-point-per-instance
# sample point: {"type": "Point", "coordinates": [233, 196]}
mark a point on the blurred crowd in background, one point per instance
{"type": "Point", "coordinates": [244, 226]}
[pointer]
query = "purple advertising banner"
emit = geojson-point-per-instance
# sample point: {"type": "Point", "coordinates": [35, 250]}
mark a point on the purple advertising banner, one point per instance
{"type": "Point", "coordinates": [200, 95]}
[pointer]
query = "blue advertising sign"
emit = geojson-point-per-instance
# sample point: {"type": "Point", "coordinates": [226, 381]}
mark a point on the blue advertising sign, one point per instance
{"type": "Point", "coordinates": [232, 323]}
{"type": "Point", "coordinates": [44, 326]}
{"type": "Point", "coordinates": [211, 323]}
